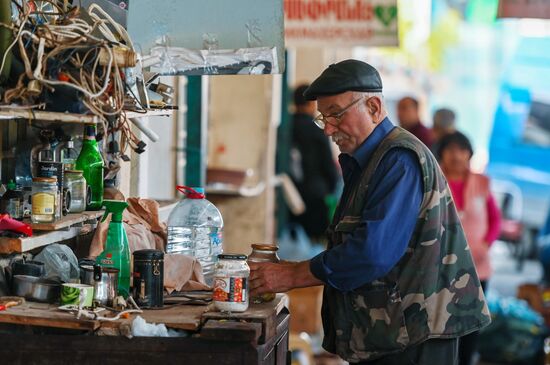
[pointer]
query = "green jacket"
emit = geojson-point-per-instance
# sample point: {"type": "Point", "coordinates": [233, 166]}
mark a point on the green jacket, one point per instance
{"type": "Point", "coordinates": [432, 292]}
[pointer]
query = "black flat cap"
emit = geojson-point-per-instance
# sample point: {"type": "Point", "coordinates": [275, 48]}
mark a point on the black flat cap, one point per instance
{"type": "Point", "coordinates": [348, 75]}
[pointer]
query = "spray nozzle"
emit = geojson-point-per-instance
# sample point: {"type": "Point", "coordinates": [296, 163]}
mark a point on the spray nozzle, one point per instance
{"type": "Point", "coordinates": [116, 207]}
{"type": "Point", "coordinates": [191, 193]}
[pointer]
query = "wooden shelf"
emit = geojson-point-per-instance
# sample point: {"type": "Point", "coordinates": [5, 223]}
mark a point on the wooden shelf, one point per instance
{"type": "Point", "coordinates": [47, 116]}
{"type": "Point", "coordinates": [44, 234]}
{"type": "Point", "coordinates": [67, 221]}
{"type": "Point", "coordinates": [41, 115]}
{"type": "Point", "coordinates": [151, 113]}
{"type": "Point", "coordinates": [233, 190]}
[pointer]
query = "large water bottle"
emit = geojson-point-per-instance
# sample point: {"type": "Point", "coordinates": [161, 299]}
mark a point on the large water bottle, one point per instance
{"type": "Point", "coordinates": [195, 228]}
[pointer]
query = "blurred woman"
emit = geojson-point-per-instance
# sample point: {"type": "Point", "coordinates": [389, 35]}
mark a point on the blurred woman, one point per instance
{"type": "Point", "coordinates": [478, 213]}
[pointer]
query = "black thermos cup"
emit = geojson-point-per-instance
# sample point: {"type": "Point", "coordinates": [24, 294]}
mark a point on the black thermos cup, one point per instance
{"type": "Point", "coordinates": [148, 287]}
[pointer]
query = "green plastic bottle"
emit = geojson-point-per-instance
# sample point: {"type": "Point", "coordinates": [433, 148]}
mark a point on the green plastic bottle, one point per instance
{"type": "Point", "coordinates": [90, 162]}
{"type": "Point", "coordinates": [117, 252]}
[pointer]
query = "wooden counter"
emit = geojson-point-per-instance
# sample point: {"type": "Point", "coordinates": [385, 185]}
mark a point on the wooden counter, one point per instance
{"type": "Point", "coordinates": [40, 333]}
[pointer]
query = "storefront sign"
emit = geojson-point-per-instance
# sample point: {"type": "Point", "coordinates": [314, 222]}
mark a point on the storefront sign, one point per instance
{"type": "Point", "coordinates": [524, 9]}
{"type": "Point", "coordinates": [335, 23]}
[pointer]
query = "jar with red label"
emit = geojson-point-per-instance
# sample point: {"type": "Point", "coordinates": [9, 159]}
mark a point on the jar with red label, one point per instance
{"type": "Point", "coordinates": [231, 283]}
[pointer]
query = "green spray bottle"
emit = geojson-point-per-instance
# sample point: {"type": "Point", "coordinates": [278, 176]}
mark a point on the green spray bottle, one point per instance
{"type": "Point", "coordinates": [117, 252]}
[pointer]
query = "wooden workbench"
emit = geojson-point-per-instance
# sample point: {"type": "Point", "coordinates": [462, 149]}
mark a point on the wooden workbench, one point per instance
{"type": "Point", "coordinates": [40, 333]}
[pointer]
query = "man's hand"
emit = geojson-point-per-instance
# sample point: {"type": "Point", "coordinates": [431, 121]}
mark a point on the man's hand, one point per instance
{"type": "Point", "coordinates": [281, 277]}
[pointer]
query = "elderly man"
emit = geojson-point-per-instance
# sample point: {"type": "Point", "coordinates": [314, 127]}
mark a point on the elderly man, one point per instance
{"type": "Point", "coordinates": [400, 284]}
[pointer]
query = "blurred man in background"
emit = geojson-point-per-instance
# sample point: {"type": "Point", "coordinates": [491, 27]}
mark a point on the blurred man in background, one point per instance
{"type": "Point", "coordinates": [312, 167]}
{"type": "Point", "coordinates": [409, 119]}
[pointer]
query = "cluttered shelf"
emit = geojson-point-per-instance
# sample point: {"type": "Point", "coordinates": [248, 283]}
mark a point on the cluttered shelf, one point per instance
{"type": "Point", "coordinates": [70, 226]}
{"type": "Point", "coordinates": [179, 317]}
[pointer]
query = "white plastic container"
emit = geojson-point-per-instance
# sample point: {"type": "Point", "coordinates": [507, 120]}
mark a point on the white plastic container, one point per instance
{"type": "Point", "coordinates": [195, 228]}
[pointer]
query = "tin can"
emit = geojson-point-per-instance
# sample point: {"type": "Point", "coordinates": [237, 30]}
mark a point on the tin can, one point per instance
{"type": "Point", "coordinates": [148, 287]}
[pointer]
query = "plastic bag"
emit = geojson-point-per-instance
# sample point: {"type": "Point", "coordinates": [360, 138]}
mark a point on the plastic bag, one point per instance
{"type": "Point", "coordinates": [60, 262]}
{"type": "Point", "coordinates": [140, 328]}
{"type": "Point", "coordinates": [295, 245]}
{"type": "Point", "coordinates": [515, 334]}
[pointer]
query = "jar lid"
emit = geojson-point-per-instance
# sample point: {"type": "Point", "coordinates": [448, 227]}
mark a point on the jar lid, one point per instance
{"type": "Point", "coordinates": [45, 179]}
{"type": "Point", "coordinates": [74, 171]}
{"type": "Point", "coordinates": [232, 256]}
{"type": "Point", "coordinates": [264, 247]}
{"type": "Point", "coordinates": [148, 254]}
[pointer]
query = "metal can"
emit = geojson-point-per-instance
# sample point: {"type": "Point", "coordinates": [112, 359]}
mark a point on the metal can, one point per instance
{"type": "Point", "coordinates": [148, 287]}
{"type": "Point", "coordinates": [44, 199]}
{"type": "Point", "coordinates": [74, 191]}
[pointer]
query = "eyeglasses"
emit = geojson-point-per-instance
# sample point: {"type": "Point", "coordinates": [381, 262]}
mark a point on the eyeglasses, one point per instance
{"type": "Point", "coordinates": [334, 119]}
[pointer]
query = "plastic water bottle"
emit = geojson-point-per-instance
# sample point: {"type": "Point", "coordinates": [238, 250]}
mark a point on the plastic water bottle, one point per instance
{"type": "Point", "coordinates": [195, 228]}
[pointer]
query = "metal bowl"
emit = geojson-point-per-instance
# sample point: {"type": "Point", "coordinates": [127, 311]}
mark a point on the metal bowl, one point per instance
{"type": "Point", "coordinates": [36, 289]}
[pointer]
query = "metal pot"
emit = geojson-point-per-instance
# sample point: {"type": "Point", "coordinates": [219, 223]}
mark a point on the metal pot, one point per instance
{"type": "Point", "coordinates": [105, 285]}
{"type": "Point", "coordinates": [29, 268]}
{"type": "Point", "coordinates": [87, 274]}
{"type": "Point", "coordinates": [36, 289]}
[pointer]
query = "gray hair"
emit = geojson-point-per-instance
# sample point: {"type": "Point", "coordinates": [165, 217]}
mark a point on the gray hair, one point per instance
{"type": "Point", "coordinates": [444, 118]}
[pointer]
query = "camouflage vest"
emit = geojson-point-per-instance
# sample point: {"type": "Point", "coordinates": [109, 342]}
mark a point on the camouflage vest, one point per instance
{"type": "Point", "coordinates": [433, 291]}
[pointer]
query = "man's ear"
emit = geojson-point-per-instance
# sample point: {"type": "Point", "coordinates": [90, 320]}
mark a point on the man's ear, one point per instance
{"type": "Point", "coordinates": [374, 105]}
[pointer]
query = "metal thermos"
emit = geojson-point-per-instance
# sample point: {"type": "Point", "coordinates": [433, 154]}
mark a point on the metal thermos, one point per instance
{"type": "Point", "coordinates": [105, 284]}
{"type": "Point", "coordinates": [148, 288]}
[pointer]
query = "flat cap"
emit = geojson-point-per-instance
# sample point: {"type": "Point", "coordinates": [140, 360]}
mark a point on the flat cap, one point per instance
{"type": "Point", "coordinates": [348, 75]}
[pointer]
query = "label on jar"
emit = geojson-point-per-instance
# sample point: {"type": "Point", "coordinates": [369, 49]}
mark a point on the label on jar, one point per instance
{"type": "Point", "coordinates": [14, 208]}
{"type": "Point", "coordinates": [43, 203]}
{"type": "Point", "coordinates": [227, 289]}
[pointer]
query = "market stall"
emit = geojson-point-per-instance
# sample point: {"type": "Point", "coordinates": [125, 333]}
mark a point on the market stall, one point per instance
{"type": "Point", "coordinates": [35, 332]}
{"type": "Point", "coordinates": [86, 274]}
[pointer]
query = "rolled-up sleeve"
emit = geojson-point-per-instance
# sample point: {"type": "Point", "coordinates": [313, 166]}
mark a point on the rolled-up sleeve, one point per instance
{"type": "Point", "coordinates": [388, 221]}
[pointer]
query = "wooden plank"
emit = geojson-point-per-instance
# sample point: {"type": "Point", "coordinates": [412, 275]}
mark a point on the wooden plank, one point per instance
{"type": "Point", "coordinates": [181, 317]}
{"type": "Point", "coordinates": [67, 221]}
{"type": "Point", "coordinates": [150, 113]}
{"type": "Point", "coordinates": [40, 239]}
{"type": "Point", "coordinates": [223, 330]}
{"type": "Point", "coordinates": [45, 315]}
{"type": "Point", "coordinates": [264, 313]}
{"type": "Point", "coordinates": [254, 311]}
{"type": "Point", "coordinates": [20, 113]}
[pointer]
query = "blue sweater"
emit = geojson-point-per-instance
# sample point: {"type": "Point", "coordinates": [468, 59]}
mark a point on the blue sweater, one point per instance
{"type": "Point", "coordinates": [391, 209]}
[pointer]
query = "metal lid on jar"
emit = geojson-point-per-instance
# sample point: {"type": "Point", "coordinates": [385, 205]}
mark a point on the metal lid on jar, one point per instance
{"type": "Point", "coordinates": [148, 254]}
{"type": "Point", "coordinates": [45, 179]}
{"type": "Point", "coordinates": [264, 247]}
{"type": "Point", "coordinates": [232, 256]}
{"type": "Point", "coordinates": [74, 171]}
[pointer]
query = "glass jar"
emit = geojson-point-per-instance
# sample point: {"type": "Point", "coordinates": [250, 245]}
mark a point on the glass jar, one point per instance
{"type": "Point", "coordinates": [231, 283]}
{"type": "Point", "coordinates": [43, 199]}
{"type": "Point", "coordinates": [74, 191]}
{"type": "Point", "coordinates": [263, 253]}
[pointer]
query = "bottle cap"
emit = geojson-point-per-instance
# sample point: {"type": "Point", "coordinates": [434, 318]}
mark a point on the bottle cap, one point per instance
{"type": "Point", "coordinates": [89, 130]}
{"type": "Point", "coordinates": [232, 256]}
{"type": "Point", "coordinates": [11, 185]}
{"type": "Point", "coordinates": [191, 193]}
